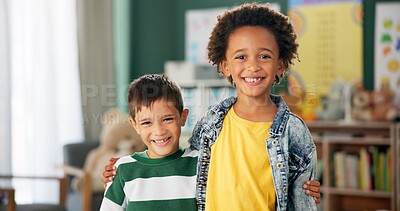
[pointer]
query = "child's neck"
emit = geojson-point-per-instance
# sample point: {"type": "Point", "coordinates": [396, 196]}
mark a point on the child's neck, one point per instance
{"type": "Point", "coordinates": [263, 110]}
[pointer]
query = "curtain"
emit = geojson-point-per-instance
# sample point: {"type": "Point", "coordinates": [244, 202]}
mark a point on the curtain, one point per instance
{"type": "Point", "coordinates": [45, 99]}
{"type": "Point", "coordinates": [96, 63]}
{"type": "Point", "coordinates": [5, 100]}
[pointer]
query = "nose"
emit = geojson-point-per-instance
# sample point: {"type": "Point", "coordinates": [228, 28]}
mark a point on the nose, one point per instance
{"type": "Point", "coordinates": [159, 129]}
{"type": "Point", "coordinates": [252, 65]}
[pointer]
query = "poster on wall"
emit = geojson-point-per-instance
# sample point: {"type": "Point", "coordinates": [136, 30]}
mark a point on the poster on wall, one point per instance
{"type": "Point", "coordinates": [198, 27]}
{"type": "Point", "coordinates": [199, 24]}
{"type": "Point", "coordinates": [387, 48]}
{"type": "Point", "coordinates": [330, 53]}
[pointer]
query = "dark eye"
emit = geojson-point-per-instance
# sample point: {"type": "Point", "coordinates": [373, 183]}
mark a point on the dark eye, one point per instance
{"type": "Point", "coordinates": [145, 123]}
{"type": "Point", "coordinates": [241, 57]}
{"type": "Point", "coordinates": [265, 57]}
{"type": "Point", "coordinates": [168, 119]}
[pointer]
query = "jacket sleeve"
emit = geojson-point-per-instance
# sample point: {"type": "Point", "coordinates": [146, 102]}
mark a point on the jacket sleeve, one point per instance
{"type": "Point", "coordinates": [297, 197]}
{"type": "Point", "coordinates": [302, 163]}
{"type": "Point", "coordinates": [194, 140]}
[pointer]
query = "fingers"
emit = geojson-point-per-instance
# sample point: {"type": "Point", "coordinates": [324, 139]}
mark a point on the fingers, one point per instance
{"type": "Point", "coordinates": [314, 192]}
{"type": "Point", "coordinates": [112, 160]}
{"type": "Point", "coordinates": [109, 167]}
{"type": "Point", "coordinates": [317, 201]}
{"type": "Point", "coordinates": [312, 189]}
{"type": "Point", "coordinates": [313, 183]}
{"type": "Point", "coordinates": [109, 172]}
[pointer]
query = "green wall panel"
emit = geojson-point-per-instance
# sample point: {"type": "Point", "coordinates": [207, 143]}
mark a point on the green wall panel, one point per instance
{"type": "Point", "coordinates": [158, 31]}
{"type": "Point", "coordinates": [153, 39]}
{"type": "Point", "coordinates": [121, 24]}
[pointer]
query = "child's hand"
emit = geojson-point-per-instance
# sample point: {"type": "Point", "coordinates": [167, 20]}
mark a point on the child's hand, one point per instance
{"type": "Point", "coordinates": [109, 172]}
{"type": "Point", "coordinates": [312, 189]}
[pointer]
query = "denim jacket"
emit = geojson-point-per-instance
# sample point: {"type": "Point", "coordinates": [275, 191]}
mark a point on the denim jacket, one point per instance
{"type": "Point", "coordinates": [290, 147]}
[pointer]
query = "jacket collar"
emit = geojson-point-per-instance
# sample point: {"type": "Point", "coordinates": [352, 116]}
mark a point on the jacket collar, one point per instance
{"type": "Point", "coordinates": [217, 113]}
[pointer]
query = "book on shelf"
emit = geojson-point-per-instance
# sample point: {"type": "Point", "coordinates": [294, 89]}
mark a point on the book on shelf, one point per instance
{"type": "Point", "coordinates": [370, 169]}
{"type": "Point", "coordinates": [340, 171]}
{"type": "Point", "coordinates": [365, 182]}
{"type": "Point", "coordinates": [351, 166]}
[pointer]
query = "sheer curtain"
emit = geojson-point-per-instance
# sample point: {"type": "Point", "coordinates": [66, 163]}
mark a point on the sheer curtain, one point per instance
{"type": "Point", "coordinates": [5, 102]}
{"type": "Point", "coordinates": [46, 101]}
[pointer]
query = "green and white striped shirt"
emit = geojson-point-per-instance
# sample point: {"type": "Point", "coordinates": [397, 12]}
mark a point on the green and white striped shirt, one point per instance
{"type": "Point", "coordinates": [143, 183]}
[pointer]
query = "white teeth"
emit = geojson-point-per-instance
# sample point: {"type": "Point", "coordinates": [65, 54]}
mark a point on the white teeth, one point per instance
{"type": "Point", "coordinates": [160, 141]}
{"type": "Point", "coordinates": [252, 80]}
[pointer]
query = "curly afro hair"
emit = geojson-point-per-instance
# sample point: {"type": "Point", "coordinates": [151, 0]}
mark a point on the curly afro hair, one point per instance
{"type": "Point", "coordinates": [252, 14]}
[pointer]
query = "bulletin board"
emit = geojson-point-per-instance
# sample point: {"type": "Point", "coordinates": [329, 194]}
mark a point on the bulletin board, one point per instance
{"type": "Point", "coordinates": [198, 27]}
{"type": "Point", "coordinates": [387, 48]}
{"type": "Point", "coordinates": [330, 46]}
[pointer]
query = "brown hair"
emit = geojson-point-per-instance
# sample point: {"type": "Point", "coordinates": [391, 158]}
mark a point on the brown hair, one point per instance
{"type": "Point", "coordinates": [149, 88]}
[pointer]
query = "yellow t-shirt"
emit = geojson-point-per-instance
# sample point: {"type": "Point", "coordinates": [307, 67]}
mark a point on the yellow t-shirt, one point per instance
{"type": "Point", "coordinates": [240, 174]}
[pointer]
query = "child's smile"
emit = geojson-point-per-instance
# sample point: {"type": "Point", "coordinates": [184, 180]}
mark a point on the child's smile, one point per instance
{"type": "Point", "coordinates": [253, 81]}
{"type": "Point", "coordinates": [159, 126]}
{"type": "Point", "coordinates": [162, 141]}
{"type": "Point", "coordinates": [252, 59]}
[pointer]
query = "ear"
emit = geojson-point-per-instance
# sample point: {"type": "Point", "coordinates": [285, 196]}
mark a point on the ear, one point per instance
{"type": "Point", "coordinates": [225, 68]}
{"type": "Point", "coordinates": [184, 116]}
{"type": "Point", "coordinates": [134, 125]}
{"type": "Point", "coordinates": [281, 68]}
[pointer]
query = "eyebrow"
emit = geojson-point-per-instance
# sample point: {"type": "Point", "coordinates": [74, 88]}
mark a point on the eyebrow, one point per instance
{"type": "Point", "coordinates": [163, 116]}
{"type": "Point", "coordinates": [262, 49]}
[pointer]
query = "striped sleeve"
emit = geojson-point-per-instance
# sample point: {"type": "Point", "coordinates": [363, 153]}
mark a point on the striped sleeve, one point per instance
{"type": "Point", "coordinates": [114, 197]}
{"type": "Point", "coordinates": [108, 205]}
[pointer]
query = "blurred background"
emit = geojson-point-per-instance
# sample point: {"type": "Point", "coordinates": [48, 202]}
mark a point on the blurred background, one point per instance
{"type": "Point", "coordinates": [64, 63]}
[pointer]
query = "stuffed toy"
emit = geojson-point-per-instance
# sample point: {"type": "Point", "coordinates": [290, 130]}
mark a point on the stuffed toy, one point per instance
{"type": "Point", "coordinates": [373, 106]}
{"type": "Point", "coordinates": [117, 138]}
{"type": "Point", "coordinates": [361, 104]}
{"type": "Point", "coordinates": [333, 104]}
{"type": "Point", "coordinates": [384, 109]}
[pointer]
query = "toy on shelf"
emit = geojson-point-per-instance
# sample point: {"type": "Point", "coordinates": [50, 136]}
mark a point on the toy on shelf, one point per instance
{"type": "Point", "coordinates": [373, 106]}
{"type": "Point", "coordinates": [333, 104]}
{"type": "Point", "coordinates": [361, 104]}
{"type": "Point", "coordinates": [384, 109]}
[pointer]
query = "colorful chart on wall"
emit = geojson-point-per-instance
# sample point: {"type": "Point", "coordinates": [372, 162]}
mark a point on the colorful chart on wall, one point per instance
{"type": "Point", "coordinates": [198, 26]}
{"type": "Point", "coordinates": [330, 46]}
{"type": "Point", "coordinates": [387, 48]}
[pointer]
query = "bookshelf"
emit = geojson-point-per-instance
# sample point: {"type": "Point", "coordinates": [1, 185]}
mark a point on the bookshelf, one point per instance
{"type": "Point", "coordinates": [397, 156]}
{"type": "Point", "coordinates": [346, 186]}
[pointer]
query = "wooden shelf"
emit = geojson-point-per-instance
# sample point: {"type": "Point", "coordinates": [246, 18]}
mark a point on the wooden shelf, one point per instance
{"type": "Point", "coordinates": [353, 140]}
{"type": "Point", "coordinates": [357, 192]}
{"type": "Point", "coordinates": [350, 137]}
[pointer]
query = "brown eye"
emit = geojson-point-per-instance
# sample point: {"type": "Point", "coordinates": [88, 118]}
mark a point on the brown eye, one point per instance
{"type": "Point", "coordinates": [240, 57]}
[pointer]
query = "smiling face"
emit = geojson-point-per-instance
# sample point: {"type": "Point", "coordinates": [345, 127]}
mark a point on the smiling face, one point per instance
{"type": "Point", "coordinates": [159, 126]}
{"type": "Point", "coordinates": [252, 59]}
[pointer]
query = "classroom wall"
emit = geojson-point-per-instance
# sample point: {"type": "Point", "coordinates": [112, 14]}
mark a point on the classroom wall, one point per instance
{"type": "Point", "coordinates": [153, 35]}
{"type": "Point", "coordinates": [158, 31]}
